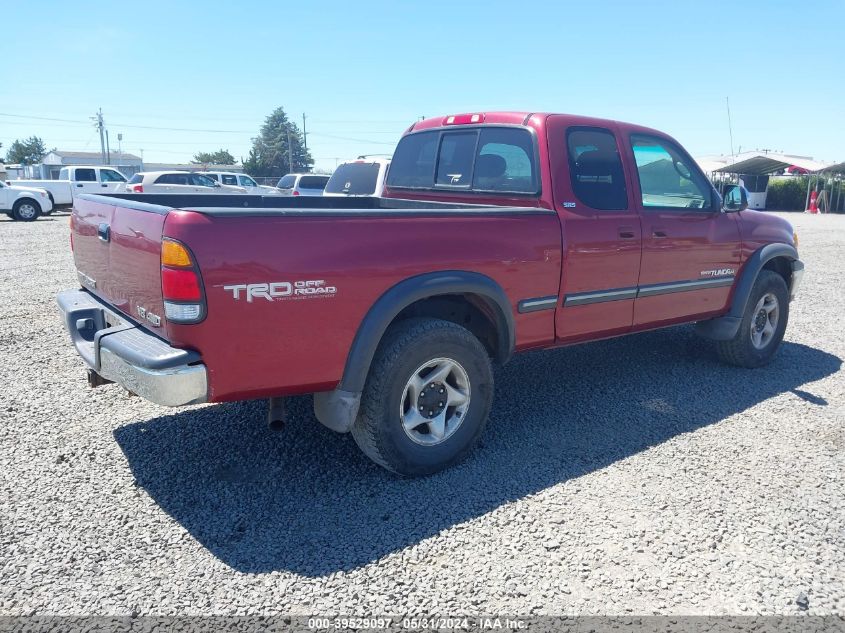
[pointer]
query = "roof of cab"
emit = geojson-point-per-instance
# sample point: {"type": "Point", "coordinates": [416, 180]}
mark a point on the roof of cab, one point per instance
{"type": "Point", "coordinates": [516, 118]}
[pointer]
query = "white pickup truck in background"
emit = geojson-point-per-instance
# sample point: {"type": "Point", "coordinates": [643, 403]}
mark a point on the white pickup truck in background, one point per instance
{"type": "Point", "coordinates": [24, 203]}
{"type": "Point", "coordinates": [75, 180]}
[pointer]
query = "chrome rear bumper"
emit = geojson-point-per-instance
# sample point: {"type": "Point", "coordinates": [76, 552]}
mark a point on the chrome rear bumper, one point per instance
{"type": "Point", "coordinates": [120, 351]}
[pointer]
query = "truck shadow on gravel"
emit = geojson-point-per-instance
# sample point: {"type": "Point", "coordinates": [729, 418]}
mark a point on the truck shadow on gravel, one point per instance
{"type": "Point", "coordinates": [307, 501]}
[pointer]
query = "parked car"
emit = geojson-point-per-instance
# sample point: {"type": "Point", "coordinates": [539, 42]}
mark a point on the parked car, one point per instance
{"type": "Point", "coordinates": [497, 233]}
{"type": "Point", "coordinates": [302, 184]}
{"type": "Point", "coordinates": [24, 203]}
{"type": "Point", "coordinates": [76, 180]}
{"type": "Point", "coordinates": [362, 177]}
{"type": "Point", "coordinates": [177, 182]}
{"type": "Point", "coordinates": [241, 180]}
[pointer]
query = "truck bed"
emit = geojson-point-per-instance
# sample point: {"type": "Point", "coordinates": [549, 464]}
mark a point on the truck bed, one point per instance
{"type": "Point", "coordinates": [256, 205]}
{"type": "Point", "coordinates": [359, 247]}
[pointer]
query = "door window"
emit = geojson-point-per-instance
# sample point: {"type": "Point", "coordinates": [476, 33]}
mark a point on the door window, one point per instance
{"type": "Point", "coordinates": [228, 179]}
{"type": "Point", "coordinates": [172, 179]}
{"type": "Point", "coordinates": [669, 179]}
{"type": "Point", "coordinates": [86, 175]}
{"type": "Point", "coordinates": [108, 175]}
{"type": "Point", "coordinates": [595, 169]}
{"type": "Point", "coordinates": [200, 180]}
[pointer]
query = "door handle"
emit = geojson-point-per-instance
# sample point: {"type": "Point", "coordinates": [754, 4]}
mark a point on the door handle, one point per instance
{"type": "Point", "coordinates": [626, 233]}
{"type": "Point", "coordinates": [659, 233]}
{"type": "Point", "coordinates": [104, 232]}
{"type": "Point", "coordinates": [79, 184]}
{"type": "Point", "coordinates": [104, 185]}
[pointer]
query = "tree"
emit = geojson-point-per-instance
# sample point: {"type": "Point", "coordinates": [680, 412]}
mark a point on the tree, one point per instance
{"type": "Point", "coordinates": [220, 157]}
{"type": "Point", "coordinates": [27, 152]}
{"type": "Point", "coordinates": [269, 155]}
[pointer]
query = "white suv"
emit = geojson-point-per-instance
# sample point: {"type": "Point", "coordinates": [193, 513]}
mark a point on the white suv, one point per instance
{"type": "Point", "coordinates": [177, 182]}
{"type": "Point", "coordinates": [362, 177]}
{"type": "Point", "coordinates": [302, 184]}
{"type": "Point", "coordinates": [241, 180]}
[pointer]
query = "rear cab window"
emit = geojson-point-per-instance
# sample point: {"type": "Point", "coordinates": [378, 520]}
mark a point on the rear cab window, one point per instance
{"type": "Point", "coordinates": [229, 179]}
{"type": "Point", "coordinates": [492, 159]}
{"type": "Point", "coordinates": [137, 178]}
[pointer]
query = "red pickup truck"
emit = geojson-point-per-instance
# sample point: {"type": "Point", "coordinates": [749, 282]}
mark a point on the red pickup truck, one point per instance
{"type": "Point", "coordinates": [497, 233]}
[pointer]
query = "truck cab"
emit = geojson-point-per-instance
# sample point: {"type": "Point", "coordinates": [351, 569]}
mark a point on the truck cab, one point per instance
{"type": "Point", "coordinates": [93, 178]}
{"type": "Point", "coordinates": [648, 242]}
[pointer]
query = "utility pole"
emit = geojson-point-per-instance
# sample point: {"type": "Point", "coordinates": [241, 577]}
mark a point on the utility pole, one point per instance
{"type": "Point", "coordinates": [304, 135]}
{"type": "Point", "coordinates": [108, 149]}
{"type": "Point", "coordinates": [99, 124]}
{"type": "Point", "coordinates": [290, 151]}
{"type": "Point", "coordinates": [119, 150]}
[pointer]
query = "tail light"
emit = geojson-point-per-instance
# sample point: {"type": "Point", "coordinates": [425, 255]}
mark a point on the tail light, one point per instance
{"type": "Point", "coordinates": [295, 193]}
{"type": "Point", "coordinates": [138, 188]}
{"type": "Point", "coordinates": [181, 284]}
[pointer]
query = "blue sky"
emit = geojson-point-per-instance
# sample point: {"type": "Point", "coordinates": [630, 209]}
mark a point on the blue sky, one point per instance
{"type": "Point", "coordinates": [365, 70]}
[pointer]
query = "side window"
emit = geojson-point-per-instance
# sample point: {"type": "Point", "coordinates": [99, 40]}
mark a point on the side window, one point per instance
{"type": "Point", "coordinates": [668, 178]}
{"type": "Point", "coordinates": [504, 161]}
{"type": "Point", "coordinates": [229, 180]}
{"type": "Point", "coordinates": [86, 175]}
{"type": "Point", "coordinates": [454, 163]}
{"type": "Point", "coordinates": [200, 180]}
{"type": "Point", "coordinates": [108, 175]}
{"type": "Point", "coordinates": [413, 161]}
{"type": "Point", "coordinates": [595, 169]}
{"type": "Point", "coordinates": [213, 177]}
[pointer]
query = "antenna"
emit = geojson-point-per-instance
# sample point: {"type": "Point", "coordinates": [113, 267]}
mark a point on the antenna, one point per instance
{"type": "Point", "coordinates": [730, 129]}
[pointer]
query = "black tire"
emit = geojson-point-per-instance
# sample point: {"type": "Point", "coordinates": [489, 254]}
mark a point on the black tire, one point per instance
{"type": "Point", "coordinates": [407, 346]}
{"type": "Point", "coordinates": [740, 350]}
{"type": "Point", "coordinates": [21, 210]}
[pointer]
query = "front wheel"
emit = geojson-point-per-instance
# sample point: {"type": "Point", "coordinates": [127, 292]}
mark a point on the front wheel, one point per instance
{"type": "Point", "coordinates": [763, 324]}
{"type": "Point", "coordinates": [426, 399]}
{"type": "Point", "coordinates": [26, 210]}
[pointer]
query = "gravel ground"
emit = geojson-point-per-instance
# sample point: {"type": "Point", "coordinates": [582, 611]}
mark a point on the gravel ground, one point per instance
{"type": "Point", "coordinates": [635, 475]}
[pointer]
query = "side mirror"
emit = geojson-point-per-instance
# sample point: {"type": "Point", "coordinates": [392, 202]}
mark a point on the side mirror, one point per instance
{"type": "Point", "coordinates": [735, 199]}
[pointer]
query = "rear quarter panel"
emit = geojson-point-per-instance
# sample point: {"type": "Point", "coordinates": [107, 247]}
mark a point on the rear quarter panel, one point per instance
{"type": "Point", "coordinates": [300, 345]}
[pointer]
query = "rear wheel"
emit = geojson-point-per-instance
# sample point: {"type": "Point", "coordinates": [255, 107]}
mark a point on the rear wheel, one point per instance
{"type": "Point", "coordinates": [763, 324]}
{"type": "Point", "coordinates": [26, 210]}
{"type": "Point", "coordinates": [427, 397]}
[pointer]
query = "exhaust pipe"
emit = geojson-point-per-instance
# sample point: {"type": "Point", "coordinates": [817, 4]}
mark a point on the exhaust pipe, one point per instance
{"type": "Point", "coordinates": [276, 413]}
{"type": "Point", "coordinates": [95, 379]}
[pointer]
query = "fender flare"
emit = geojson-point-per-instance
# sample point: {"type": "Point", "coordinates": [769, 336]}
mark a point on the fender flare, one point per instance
{"type": "Point", "coordinates": [338, 409]}
{"type": "Point", "coordinates": [724, 328]}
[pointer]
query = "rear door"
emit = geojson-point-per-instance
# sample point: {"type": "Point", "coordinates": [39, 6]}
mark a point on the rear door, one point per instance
{"type": "Point", "coordinates": [691, 249]}
{"type": "Point", "coordinates": [601, 231]}
{"type": "Point", "coordinates": [85, 181]}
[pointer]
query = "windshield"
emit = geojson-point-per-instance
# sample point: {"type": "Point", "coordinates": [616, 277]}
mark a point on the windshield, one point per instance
{"type": "Point", "coordinates": [354, 179]}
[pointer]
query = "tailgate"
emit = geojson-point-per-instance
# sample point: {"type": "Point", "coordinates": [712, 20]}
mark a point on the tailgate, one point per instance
{"type": "Point", "coordinates": [117, 251]}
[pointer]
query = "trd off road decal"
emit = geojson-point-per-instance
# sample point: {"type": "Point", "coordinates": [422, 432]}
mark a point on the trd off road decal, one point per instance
{"type": "Point", "coordinates": [271, 291]}
{"type": "Point", "coordinates": [719, 272]}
